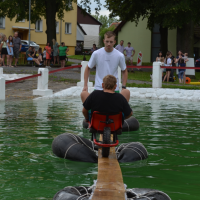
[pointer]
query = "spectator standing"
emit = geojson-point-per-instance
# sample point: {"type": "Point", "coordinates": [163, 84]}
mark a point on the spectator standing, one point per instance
{"type": "Point", "coordinates": [17, 45]}
{"type": "Point", "coordinates": [94, 48]}
{"type": "Point", "coordinates": [159, 57]}
{"type": "Point", "coordinates": [62, 50]}
{"type": "Point", "coordinates": [1, 34]}
{"type": "Point", "coordinates": [44, 56]}
{"type": "Point", "coordinates": [40, 54]}
{"type": "Point", "coordinates": [4, 51]}
{"type": "Point", "coordinates": [10, 51]}
{"type": "Point", "coordinates": [168, 64]}
{"type": "Point", "coordinates": [55, 51]}
{"type": "Point", "coordinates": [181, 71]}
{"type": "Point", "coordinates": [130, 52]}
{"type": "Point", "coordinates": [180, 55]}
{"type": "Point", "coordinates": [48, 54]}
{"type": "Point", "coordinates": [120, 46]}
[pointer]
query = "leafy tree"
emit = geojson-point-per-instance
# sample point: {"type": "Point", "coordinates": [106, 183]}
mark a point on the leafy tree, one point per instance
{"type": "Point", "coordinates": [105, 20]}
{"type": "Point", "coordinates": [39, 8]}
{"type": "Point", "coordinates": [180, 14]}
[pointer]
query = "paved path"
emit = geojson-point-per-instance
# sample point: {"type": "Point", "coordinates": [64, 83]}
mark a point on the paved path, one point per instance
{"type": "Point", "coordinates": [57, 81]}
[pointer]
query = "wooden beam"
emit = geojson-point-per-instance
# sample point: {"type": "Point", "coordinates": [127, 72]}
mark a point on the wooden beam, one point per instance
{"type": "Point", "coordinates": [109, 181]}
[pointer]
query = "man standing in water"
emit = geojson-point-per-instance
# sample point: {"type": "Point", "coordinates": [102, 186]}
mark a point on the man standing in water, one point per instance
{"type": "Point", "coordinates": [106, 60]}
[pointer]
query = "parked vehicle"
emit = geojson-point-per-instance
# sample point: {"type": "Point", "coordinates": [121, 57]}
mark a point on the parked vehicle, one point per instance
{"type": "Point", "coordinates": [25, 44]}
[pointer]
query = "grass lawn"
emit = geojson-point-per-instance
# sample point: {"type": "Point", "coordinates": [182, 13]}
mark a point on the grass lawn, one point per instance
{"type": "Point", "coordinates": [79, 57]}
{"type": "Point", "coordinates": [139, 75]}
{"type": "Point", "coordinates": [145, 76]}
{"type": "Point", "coordinates": [144, 85]}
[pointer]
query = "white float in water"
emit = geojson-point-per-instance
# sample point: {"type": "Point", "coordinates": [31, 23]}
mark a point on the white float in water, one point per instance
{"type": "Point", "coordinates": [144, 93]}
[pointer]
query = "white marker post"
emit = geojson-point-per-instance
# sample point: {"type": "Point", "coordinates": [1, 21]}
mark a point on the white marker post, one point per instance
{"type": "Point", "coordinates": [81, 83]}
{"type": "Point", "coordinates": [1, 71]}
{"type": "Point", "coordinates": [119, 78]}
{"type": "Point", "coordinates": [42, 86]}
{"type": "Point", "coordinates": [139, 59]}
{"type": "Point", "coordinates": [157, 75]}
{"type": "Point", "coordinates": [2, 89]}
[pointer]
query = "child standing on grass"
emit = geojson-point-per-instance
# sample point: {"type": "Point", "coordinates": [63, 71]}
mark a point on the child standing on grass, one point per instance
{"type": "Point", "coordinates": [44, 56]}
{"type": "Point", "coordinates": [185, 60]}
{"type": "Point", "coordinates": [181, 71]}
{"type": "Point", "coordinates": [168, 64]}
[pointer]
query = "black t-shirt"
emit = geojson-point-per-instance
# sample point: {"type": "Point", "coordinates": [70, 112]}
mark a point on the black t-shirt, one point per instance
{"type": "Point", "coordinates": [107, 103]}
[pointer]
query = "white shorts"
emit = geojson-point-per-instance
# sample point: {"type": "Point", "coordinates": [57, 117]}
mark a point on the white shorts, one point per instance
{"type": "Point", "coordinates": [129, 58]}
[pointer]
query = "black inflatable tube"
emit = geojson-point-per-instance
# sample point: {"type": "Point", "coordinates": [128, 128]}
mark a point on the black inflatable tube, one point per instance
{"type": "Point", "coordinates": [130, 124]}
{"type": "Point", "coordinates": [73, 147]}
{"type": "Point", "coordinates": [76, 148]}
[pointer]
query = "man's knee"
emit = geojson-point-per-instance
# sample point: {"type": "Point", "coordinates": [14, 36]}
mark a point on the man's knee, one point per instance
{"type": "Point", "coordinates": [126, 93]}
{"type": "Point", "coordinates": [84, 95]}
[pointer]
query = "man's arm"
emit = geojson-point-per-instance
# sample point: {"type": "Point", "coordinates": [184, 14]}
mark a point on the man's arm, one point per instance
{"type": "Point", "coordinates": [124, 77]}
{"type": "Point", "coordinates": [85, 113]}
{"type": "Point", "coordinates": [86, 76]}
{"type": "Point", "coordinates": [133, 52]}
{"type": "Point", "coordinates": [129, 115]}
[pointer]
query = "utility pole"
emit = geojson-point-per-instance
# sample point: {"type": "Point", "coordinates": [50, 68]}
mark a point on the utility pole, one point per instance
{"type": "Point", "coordinates": [29, 34]}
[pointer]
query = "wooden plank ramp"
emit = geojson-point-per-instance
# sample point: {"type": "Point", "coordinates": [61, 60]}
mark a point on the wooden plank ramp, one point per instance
{"type": "Point", "coordinates": [110, 184]}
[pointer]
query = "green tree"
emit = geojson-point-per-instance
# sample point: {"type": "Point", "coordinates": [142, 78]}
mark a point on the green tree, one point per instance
{"type": "Point", "coordinates": [171, 14]}
{"type": "Point", "coordinates": [39, 8]}
{"type": "Point", "coordinates": [105, 20]}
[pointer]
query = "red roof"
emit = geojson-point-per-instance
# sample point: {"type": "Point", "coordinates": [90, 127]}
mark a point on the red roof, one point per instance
{"type": "Point", "coordinates": [115, 24]}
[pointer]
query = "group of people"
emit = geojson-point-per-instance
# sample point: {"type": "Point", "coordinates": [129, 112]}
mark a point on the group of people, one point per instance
{"type": "Point", "coordinates": [170, 61]}
{"type": "Point", "coordinates": [58, 53]}
{"type": "Point", "coordinates": [9, 47]}
{"type": "Point", "coordinates": [106, 97]}
{"type": "Point", "coordinates": [128, 52]}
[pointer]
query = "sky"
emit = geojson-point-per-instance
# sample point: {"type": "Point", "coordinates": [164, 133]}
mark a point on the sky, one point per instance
{"type": "Point", "coordinates": [103, 11]}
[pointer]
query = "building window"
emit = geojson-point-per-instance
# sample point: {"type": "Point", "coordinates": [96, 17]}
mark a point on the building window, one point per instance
{"type": "Point", "coordinates": [57, 27]}
{"type": "Point", "coordinates": [155, 42]}
{"type": "Point", "coordinates": [23, 20]}
{"type": "Point", "coordinates": [68, 28]}
{"type": "Point", "coordinates": [2, 22]}
{"type": "Point", "coordinates": [38, 25]}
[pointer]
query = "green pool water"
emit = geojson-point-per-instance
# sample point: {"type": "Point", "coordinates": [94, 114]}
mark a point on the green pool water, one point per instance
{"type": "Point", "coordinates": [28, 169]}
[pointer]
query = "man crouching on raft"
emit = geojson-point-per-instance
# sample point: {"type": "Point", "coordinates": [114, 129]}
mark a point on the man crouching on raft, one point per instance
{"type": "Point", "coordinates": [106, 60]}
{"type": "Point", "coordinates": [107, 101]}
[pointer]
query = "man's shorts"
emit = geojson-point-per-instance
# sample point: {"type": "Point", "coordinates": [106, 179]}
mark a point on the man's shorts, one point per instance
{"type": "Point", "coordinates": [16, 53]}
{"type": "Point", "coordinates": [29, 59]}
{"type": "Point", "coordinates": [129, 58]}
